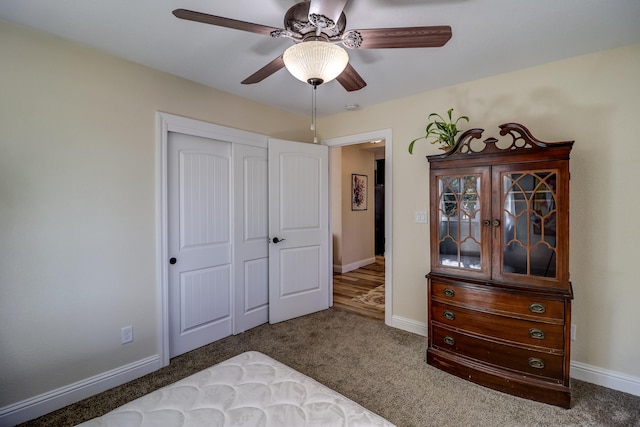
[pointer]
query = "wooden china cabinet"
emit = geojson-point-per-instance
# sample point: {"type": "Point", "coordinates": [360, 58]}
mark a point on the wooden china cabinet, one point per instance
{"type": "Point", "coordinates": [499, 297]}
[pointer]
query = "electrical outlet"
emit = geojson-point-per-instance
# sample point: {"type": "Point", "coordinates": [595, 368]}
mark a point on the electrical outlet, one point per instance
{"type": "Point", "coordinates": [573, 332]}
{"type": "Point", "coordinates": [127, 334]}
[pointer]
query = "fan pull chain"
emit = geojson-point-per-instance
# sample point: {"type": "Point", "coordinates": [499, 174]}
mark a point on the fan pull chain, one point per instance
{"type": "Point", "coordinates": [313, 114]}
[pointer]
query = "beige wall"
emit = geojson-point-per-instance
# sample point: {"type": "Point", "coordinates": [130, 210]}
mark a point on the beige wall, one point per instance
{"type": "Point", "coordinates": [591, 99]}
{"type": "Point", "coordinates": [335, 161]}
{"type": "Point", "coordinates": [77, 196]}
{"type": "Point", "coordinates": [78, 206]}
{"type": "Point", "coordinates": [357, 226]}
{"type": "Point", "coordinates": [353, 231]}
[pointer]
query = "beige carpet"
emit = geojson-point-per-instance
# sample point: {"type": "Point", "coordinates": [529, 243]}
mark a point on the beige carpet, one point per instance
{"type": "Point", "coordinates": [381, 368]}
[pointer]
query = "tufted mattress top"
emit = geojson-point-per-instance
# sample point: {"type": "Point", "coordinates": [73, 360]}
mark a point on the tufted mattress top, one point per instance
{"type": "Point", "coordinates": [250, 389]}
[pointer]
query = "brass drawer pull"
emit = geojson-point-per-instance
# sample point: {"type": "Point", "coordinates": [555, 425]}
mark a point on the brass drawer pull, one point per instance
{"type": "Point", "coordinates": [449, 340]}
{"type": "Point", "coordinates": [449, 292]}
{"type": "Point", "coordinates": [536, 333]}
{"type": "Point", "coordinates": [536, 307]}
{"type": "Point", "coordinates": [537, 363]}
{"type": "Point", "coordinates": [449, 315]}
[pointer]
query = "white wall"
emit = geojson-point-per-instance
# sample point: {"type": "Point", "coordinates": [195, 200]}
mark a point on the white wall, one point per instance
{"type": "Point", "coordinates": [78, 208]}
{"type": "Point", "coordinates": [591, 99]}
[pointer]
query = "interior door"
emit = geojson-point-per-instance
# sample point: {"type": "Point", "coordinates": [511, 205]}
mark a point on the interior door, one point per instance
{"type": "Point", "coordinates": [199, 243]}
{"type": "Point", "coordinates": [299, 279]}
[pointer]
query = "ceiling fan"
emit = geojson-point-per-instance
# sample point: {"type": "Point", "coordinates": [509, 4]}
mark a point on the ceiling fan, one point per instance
{"type": "Point", "coordinates": [324, 21]}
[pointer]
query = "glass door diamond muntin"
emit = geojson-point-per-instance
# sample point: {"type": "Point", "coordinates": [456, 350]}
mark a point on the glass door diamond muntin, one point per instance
{"type": "Point", "coordinates": [529, 223]}
{"type": "Point", "coordinates": [459, 233]}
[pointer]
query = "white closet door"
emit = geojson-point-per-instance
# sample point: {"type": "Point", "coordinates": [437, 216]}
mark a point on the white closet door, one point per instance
{"type": "Point", "coordinates": [251, 253]}
{"type": "Point", "coordinates": [200, 241]}
{"type": "Point", "coordinates": [299, 279]}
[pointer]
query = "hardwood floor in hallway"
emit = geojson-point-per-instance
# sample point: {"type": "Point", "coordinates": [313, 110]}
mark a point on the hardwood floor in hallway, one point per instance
{"type": "Point", "coordinates": [347, 286]}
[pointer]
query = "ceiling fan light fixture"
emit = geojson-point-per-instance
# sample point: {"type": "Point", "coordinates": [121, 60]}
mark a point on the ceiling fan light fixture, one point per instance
{"type": "Point", "coordinates": [315, 62]}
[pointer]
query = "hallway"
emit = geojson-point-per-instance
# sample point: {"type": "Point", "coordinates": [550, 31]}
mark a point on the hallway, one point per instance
{"type": "Point", "coordinates": [360, 282]}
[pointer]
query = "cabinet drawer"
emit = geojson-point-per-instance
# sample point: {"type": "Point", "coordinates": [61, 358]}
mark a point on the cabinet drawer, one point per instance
{"type": "Point", "coordinates": [532, 362]}
{"type": "Point", "coordinates": [500, 301]}
{"type": "Point", "coordinates": [528, 332]}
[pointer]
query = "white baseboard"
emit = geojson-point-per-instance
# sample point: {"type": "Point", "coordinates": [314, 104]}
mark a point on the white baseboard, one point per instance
{"type": "Point", "coordinates": [410, 325]}
{"type": "Point", "coordinates": [47, 402]}
{"type": "Point", "coordinates": [580, 371]}
{"type": "Point", "coordinates": [353, 266]}
{"type": "Point", "coordinates": [606, 378]}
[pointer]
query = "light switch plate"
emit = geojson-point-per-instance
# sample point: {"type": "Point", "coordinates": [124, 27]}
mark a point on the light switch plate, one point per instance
{"type": "Point", "coordinates": [421, 217]}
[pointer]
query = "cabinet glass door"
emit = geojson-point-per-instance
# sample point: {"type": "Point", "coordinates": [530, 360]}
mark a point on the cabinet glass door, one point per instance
{"type": "Point", "coordinates": [529, 219]}
{"type": "Point", "coordinates": [460, 236]}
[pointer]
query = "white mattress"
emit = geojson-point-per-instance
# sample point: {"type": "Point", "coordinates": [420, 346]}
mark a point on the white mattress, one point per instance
{"type": "Point", "coordinates": [250, 389]}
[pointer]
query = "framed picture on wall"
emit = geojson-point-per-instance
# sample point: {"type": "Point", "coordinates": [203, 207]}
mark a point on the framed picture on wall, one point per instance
{"type": "Point", "coordinates": [358, 192]}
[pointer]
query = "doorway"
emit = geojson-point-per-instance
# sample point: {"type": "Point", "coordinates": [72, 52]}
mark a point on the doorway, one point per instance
{"type": "Point", "coordinates": [367, 274]}
{"type": "Point", "coordinates": [361, 291]}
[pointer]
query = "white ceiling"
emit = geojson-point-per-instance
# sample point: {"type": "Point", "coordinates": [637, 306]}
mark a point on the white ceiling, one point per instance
{"type": "Point", "coordinates": [489, 37]}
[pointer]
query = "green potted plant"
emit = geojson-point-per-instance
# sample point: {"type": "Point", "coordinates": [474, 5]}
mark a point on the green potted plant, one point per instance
{"type": "Point", "coordinates": [442, 131]}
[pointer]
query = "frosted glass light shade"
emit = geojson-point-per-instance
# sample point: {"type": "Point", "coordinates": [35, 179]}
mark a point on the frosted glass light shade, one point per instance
{"type": "Point", "coordinates": [312, 60]}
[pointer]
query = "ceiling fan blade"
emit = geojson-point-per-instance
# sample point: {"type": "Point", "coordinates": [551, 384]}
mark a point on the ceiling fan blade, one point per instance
{"type": "Point", "coordinates": [331, 9]}
{"type": "Point", "coordinates": [220, 21]}
{"type": "Point", "coordinates": [265, 71]}
{"type": "Point", "coordinates": [408, 37]}
{"type": "Point", "coordinates": [350, 79]}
